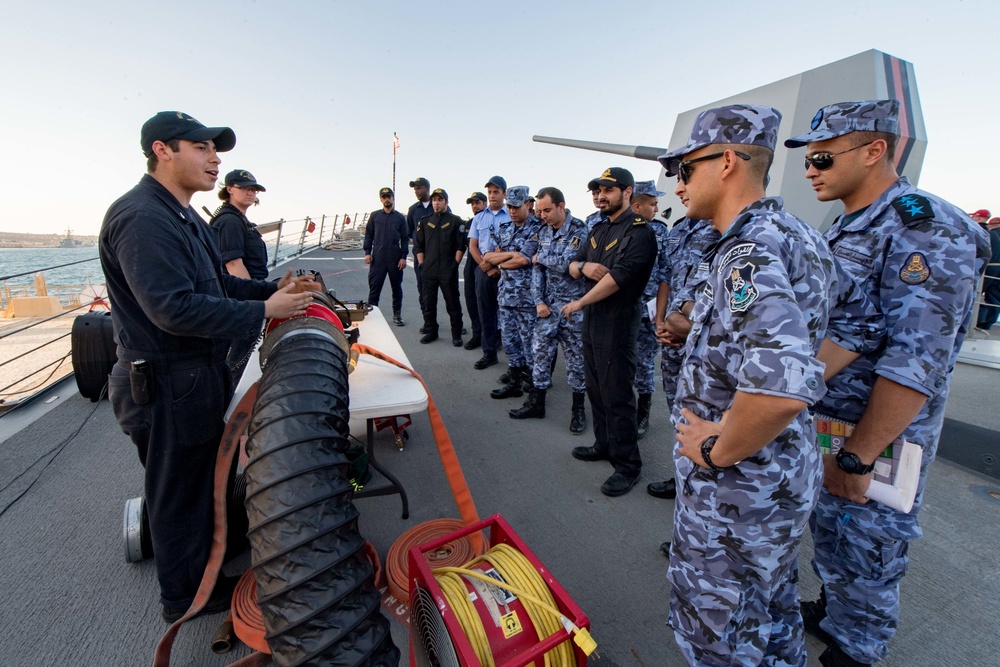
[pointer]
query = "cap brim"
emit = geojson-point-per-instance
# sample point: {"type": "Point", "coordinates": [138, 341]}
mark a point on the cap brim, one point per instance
{"type": "Point", "coordinates": [223, 137]}
{"type": "Point", "coordinates": [816, 135]}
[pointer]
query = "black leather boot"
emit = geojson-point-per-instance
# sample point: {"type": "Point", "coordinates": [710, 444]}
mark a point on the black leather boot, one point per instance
{"type": "Point", "coordinates": [642, 414]}
{"type": "Point", "coordinates": [513, 388]}
{"type": "Point", "coordinates": [834, 656]}
{"type": "Point", "coordinates": [578, 423]}
{"type": "Point", "coordinates": [397, 319]}
{"type": "Point", "coordinates": [533, 408]}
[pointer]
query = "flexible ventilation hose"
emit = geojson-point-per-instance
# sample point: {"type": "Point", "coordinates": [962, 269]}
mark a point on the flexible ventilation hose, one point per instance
{"type": "Point", "coordinates": [314, 581]}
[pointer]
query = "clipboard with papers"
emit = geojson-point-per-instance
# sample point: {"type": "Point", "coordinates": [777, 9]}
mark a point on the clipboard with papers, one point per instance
{"type": "Point", "coordinates": [897, 469]}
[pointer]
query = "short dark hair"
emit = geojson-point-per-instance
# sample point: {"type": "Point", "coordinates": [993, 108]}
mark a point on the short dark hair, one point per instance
{"type": "Point", "coordinates": [761, 158]}
{"type": "Point", "coordinates": [555, 194]}
{"type": "Point", "coordinates": [173, 144]}
{"type": "Point", "coordinates": [862, 138]}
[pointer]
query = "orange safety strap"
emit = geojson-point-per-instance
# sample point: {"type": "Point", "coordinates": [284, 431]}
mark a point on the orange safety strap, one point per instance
{"type": "Point", "coordinates": [228, 448]}
{"type": "Point", "coordinates": [452, 468]}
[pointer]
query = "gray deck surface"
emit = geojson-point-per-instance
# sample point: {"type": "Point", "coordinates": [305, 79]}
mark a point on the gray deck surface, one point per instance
{"type": "Point", "coordinates": [69, 597]}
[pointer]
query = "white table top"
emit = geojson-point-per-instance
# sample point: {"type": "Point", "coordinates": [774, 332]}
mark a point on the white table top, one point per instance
{"type": "Point", "coordinates": [378, 389]}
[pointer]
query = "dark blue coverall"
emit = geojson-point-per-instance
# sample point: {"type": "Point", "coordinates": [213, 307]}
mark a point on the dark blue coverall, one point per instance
{"type": "Point", "coordinates": [387, 241]}
{"type": "Point", "coordinates": [415, 214]}
{"type": "Point", "coordinates": [173, 306]}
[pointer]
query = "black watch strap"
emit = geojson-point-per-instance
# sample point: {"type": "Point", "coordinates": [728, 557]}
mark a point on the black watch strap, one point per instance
{"type": "Point", "coordinates": [706, 453]}
{"type": "Point", "coordinates": [851, 463]}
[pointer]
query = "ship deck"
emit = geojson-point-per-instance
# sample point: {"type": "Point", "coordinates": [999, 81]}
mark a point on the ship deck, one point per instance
{"type": "Point", "coordinates": [70, 597]}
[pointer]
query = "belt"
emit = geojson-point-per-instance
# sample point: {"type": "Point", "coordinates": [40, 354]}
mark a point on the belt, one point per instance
{"type": "Point", "coordinates": [171, 366]}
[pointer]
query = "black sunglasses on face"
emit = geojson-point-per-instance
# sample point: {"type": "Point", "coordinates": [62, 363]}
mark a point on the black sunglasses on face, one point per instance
{"type": "Point", "coordinates": [824, 160]}
{"type": "Point", "coordinates": [684, 169]}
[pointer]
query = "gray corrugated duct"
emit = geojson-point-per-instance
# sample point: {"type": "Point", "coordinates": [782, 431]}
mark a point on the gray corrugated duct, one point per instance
{"type": "Point", "coordinates": [314, 582]}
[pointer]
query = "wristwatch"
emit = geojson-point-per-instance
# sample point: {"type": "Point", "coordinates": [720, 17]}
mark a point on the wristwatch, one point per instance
{"type": "Point", "coordinates": [579, 266]}
{"type": "Point", "coordinates": [851, 463]}
{"type": "Point", "coordinates": [706, 454]}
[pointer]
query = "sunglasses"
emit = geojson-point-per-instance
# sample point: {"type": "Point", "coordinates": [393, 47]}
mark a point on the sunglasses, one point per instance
{"type": "Point", "coordinates": [823, 161]}
{"type": "Point", "coordinates": [684, 169]}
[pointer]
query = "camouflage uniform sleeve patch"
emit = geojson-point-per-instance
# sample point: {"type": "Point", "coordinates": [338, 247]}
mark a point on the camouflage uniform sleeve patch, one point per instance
{"type": "Point", "coordinates": [740, 287]}
{"type": "Point", "coordinates": [912, 207]}
{"type": "Point", "coordinates": [916, 270]}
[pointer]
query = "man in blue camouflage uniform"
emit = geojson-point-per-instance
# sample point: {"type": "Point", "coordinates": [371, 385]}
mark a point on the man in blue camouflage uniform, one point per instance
{"type": "Point", "coordinates": [645, 202]}
{"type": "Point", "coordinates": [594, 217]}
{"type": "Point", "coordinates": [749, 481]}
{"type": "Point", "coordinates": [919, 259]}
{"type": "Point", "coordinates": [616, 260]}
{"type": "Point", "coordinates": [552, 288]}
{"type": "Point", "coordinates": [517, 242]}
{"type": "Point", "coordinates": [686, 244]}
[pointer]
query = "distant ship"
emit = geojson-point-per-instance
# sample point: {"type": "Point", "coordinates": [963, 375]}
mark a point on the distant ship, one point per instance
{"type": "Point", "coordinates": [69, 241]}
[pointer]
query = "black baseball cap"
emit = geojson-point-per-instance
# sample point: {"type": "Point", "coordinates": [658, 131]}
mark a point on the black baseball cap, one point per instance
{"type": "Point", "coordinates": [386, 191]}
{"type": "Point", "coordinates": [439, 192]}
{"type": "Point", "coordinates": [614, 176]}
{"type": "Point", "coordinates": [420, 181]}
{"type": "Point", "coordinates": [168, 125]}
{"type": "Point", "coordinates": [476, 196]}
{"type": "Point", "coordinates": [243, 179]}
{"type": "Point", "coordinates": [497, 181]}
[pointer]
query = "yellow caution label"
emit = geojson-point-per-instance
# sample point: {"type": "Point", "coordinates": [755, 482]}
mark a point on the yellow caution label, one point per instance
{"type": "Point", "coordinates": [511, 626]}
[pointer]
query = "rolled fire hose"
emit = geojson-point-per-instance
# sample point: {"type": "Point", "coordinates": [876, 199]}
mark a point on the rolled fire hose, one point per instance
{"type": "Point", "coordinates": [314, 580]}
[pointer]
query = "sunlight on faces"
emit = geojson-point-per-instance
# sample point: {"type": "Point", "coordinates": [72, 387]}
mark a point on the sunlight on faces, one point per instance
{"type": "Point", "coordinates": [551, 214]}
{"type": "Point", "coordinates": [495, 195]}
{"type": "Point", "coordinates": [700, 193]}
{"type": "Point", "coordinates": [645, 205]}
{"type": "Point", "coordinates": [518, 213]}
{"type": "Point", "coordinates": [847, 173]}
{"type": "Point", "coordinates": [193, 168]}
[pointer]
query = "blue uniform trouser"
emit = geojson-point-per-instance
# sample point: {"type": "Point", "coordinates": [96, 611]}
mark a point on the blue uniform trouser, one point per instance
{"type": "Point", "coordinates": [734, 568]}
{"type": "Point", "coordinates": [377, 273]}
{"type": "Point", "coordinates": [471, 300]}
{"type": "Point", "coordinates": [550, 332]}
{"type": "Point", "coordinates": [670, 366]}
{"type": "Point", "coordinates": [486, 293]}
{"type": "Point", "coordinates": [517, 328]}
{"type": "Point", "coordinates": [609, 334]}
{"type": "Point", "coordinates": [646, 347]}
{"type": "Point", "coordinates": [861, 556]}
{"type": "Point", "coordinates": [177, 436]}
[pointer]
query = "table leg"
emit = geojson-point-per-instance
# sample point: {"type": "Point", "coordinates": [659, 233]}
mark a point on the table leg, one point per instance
{"type": "Point", "coordinates": [394, 485]}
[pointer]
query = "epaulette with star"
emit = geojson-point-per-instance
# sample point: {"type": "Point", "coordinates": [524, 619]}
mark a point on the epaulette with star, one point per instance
{"type": "Point", "coordinates": [912, 207]}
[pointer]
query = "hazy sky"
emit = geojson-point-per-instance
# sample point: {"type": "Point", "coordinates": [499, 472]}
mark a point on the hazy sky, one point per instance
{"type": "Point", "coordinates": [315, 90]}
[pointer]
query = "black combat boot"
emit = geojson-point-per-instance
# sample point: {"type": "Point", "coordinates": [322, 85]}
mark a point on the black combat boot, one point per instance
{"type": "Point", "coordinates": [533, 408]}
{"type": "Point", "coordinates": [578, 423]}
{"type": "Point", "coordinates": [513, 388]}
{"type": "Point", "coordinates": [642, 414]}
{"type": "Point", "coordinates": [397, 319]}
{"type": "Point", "coordinates": [814, 611]}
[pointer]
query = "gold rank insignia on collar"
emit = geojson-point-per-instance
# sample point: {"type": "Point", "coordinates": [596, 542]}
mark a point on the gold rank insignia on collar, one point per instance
{"type": "Point", "coordinates": [611, 245]}
{"type": "Point", "coordinates": [446, 225]}
{"type": "Point", "coordinates": [432, 225]}
{"type": "Point", "coordinates": [639, 220]}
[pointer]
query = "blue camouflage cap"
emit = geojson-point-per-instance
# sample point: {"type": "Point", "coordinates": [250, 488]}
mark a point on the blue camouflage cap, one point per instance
{"type": "Point", "coordinates": [835, 120]}
{"type": "Point", "coordinates": [646, 188]}
{"type": "Point", "coordinates": [744, 124]}
{"type": "Point", "coordinates": [517, 195]}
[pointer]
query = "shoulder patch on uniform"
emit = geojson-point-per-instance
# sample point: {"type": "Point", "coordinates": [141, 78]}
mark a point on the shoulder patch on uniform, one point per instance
{"type": "Point", "coordinates": [915, 271]}
{"type": "Point", "coordinates": [639, 220]}
{"type": "Point", "coordinates": [593, 243]}
{"type": "Point", "coordinates": [736, 252]}
{"type": "Point", "coordinates": [461, 228]}
{"type": "Point", "coordinates": [535, 237]}
{"type": "Point", "coordinates": [741, 289]}
{"type": "Point", "coordinates": [912, 207]}
{"type": "Point", "coordinates": [574, 242]}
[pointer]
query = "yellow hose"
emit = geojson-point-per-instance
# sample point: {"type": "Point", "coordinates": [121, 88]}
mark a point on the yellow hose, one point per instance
{"type": "Point", "coordinates": [524, 581]}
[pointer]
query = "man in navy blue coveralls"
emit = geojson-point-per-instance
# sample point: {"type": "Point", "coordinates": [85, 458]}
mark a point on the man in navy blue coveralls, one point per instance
{"type": "Point", "coordinates": [386, 245]}
{"type": "Point", "coordinates": [174, 308]}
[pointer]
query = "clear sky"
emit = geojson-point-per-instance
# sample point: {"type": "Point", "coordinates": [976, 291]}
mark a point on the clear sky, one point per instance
{"type": "Point", "coordinates": [315, 90]}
